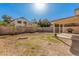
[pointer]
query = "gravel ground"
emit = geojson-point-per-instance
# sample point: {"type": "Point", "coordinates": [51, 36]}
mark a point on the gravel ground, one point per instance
{"type": "Point", "coordinates": [33, 44]}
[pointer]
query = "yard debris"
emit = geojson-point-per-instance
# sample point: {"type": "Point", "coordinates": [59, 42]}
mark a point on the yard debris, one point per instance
{"type": "Point", "coordinates": [22, 38]}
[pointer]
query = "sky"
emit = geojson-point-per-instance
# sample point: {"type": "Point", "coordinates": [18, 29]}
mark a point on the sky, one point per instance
{"type": "Point", "coordinates": [51, 11]}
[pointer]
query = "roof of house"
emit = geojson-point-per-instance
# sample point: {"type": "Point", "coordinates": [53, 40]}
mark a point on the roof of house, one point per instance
{"type": "Point", "coordinates": [72, 19]}
{"type": "Point", "coordinates": [21, 18]}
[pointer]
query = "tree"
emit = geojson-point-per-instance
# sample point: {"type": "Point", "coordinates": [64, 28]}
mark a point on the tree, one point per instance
{"type": "Point", "coordinates": [44, 23]}
{"type": "Point", "coordinates": [7, 18]}
{"type": "Point", "coordinates": [34, 21]}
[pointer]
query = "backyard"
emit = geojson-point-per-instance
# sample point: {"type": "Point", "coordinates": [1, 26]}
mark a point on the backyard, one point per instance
{"type": "Point", "coordinates": [33, 44]}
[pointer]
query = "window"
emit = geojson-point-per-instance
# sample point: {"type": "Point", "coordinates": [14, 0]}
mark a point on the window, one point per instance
{"type": "Point", "coordinates": [25, 22]}
{"type": "Point", "coordinates": [56, 25]}
{"type": "Point", "coordinates": [19, 22]}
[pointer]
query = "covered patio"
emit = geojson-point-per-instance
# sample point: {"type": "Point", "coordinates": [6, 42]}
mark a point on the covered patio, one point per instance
{"type": "Point", "coordinates": [61, 24]}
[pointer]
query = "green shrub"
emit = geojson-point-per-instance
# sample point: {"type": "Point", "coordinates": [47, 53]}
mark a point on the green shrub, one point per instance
{"type": "Point", "coordinates": [3, 23]}
{"type": "Point", "coordinates": [12, 27]}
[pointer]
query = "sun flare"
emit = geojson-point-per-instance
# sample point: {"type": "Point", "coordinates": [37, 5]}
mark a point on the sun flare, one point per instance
{"type": "Point", "coordinates": [39, 7]}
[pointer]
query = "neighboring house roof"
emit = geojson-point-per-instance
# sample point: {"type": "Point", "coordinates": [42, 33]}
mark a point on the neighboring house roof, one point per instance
{"type": "Point", "coordinates": [72, 19]}
{"type": "Point", "coordinates": [21, 18]}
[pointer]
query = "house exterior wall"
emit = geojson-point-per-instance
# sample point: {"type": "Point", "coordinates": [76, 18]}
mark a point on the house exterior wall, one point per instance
{"type": "Point", "coordinates": [77, 11]}
{"type": "Point", "coordinates": [32, 25]}
{"type": "Point", "coordinates": [15, 22]}
{"type": "Point", "coordinates": [75, 29]}
{"type": "Point", "coordinates": [21, 25]}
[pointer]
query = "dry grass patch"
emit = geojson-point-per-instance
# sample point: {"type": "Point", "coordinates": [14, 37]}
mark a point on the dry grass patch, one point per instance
{"type": "Point", "coordinates": [30, 48]}
{"type": "Point", "coordinates": [30, 44]}
{"type": "Point", "coordinates": [50, 38]}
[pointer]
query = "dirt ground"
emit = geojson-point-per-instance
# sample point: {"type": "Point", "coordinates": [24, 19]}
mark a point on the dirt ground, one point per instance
{"type": "Point", "coordinates": [33, 44]}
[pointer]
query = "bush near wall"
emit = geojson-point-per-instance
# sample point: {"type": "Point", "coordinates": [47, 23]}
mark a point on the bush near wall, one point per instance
{"type": "Point", "coordinates": [30, 30]}
{"type": "Point", "coordinates": [45, 29]}
{"type": "Point", "coordinates": [6, 30]}
{"type": "Point", "coordinates": [11, 30]}
{"type": "Point", "coordinates": [3, 23]}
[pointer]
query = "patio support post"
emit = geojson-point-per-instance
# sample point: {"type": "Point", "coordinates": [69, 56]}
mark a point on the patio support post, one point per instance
{"type": "Point", "coordinates": [63, 28]}
{"type": "Point", "coordinates": [59, 28]}
{"type": "Point", "coordinates": [53, 28]}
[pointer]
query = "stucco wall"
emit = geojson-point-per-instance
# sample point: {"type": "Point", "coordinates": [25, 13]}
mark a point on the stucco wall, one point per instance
{"type": "Point", "coordinates": [75, 29]}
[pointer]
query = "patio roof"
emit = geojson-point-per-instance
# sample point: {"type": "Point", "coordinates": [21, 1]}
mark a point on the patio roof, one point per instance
{"type": "Point", "coordinates": [73, 19]}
